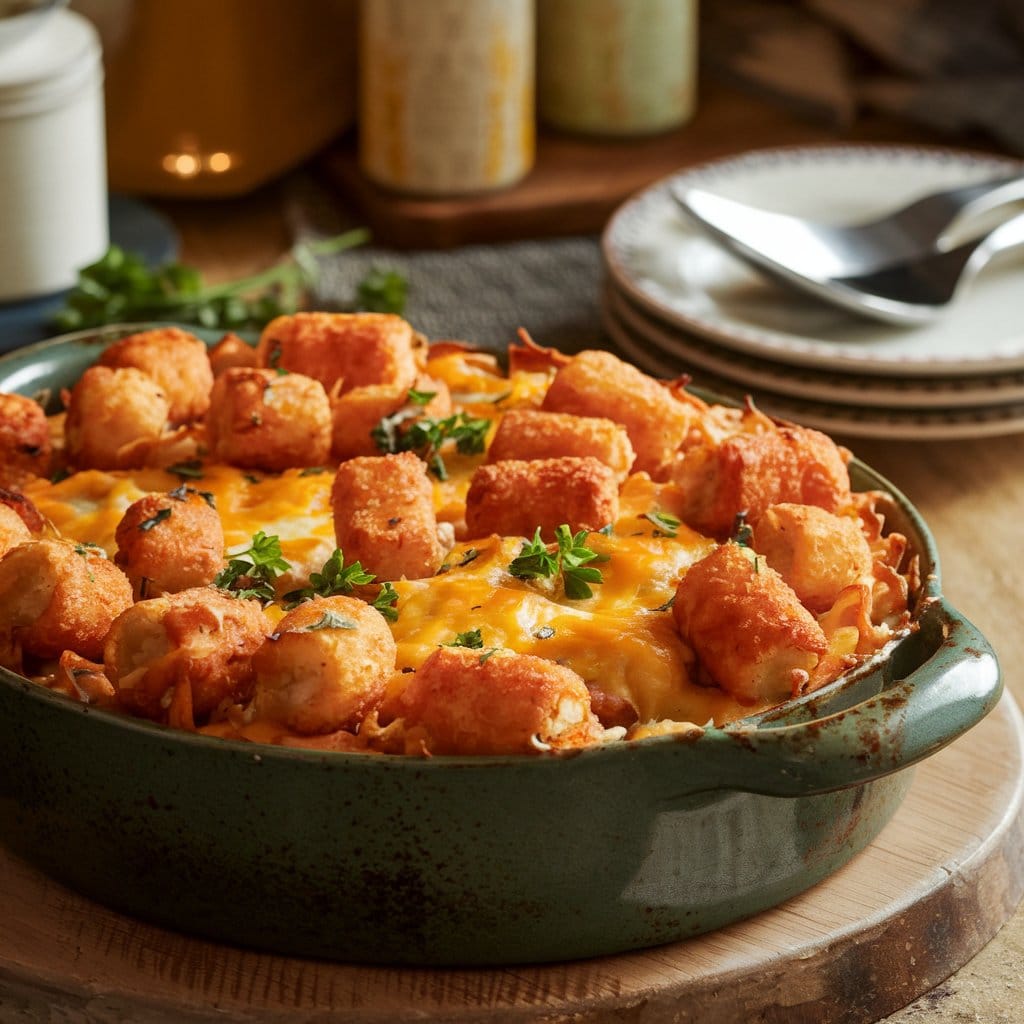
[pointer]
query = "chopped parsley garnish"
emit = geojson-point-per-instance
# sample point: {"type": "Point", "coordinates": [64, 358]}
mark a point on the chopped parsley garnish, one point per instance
{"type": "Point", "coordinates": [385, 602]}
{"type": "Point", "coordinates": [335, 577]}
{"type": "Point", "coordinates": [571, 558]}
{"type": "Point", "coordinates": [251, 573]}
{"type": "Point", "coordinates": [154, 520]}
{"type": "Point", "coordinates": [331, 620]}
{"type": "Point", "coordinates": [666, 524]}
{"type": "Point", "coordinates": [472, 638]}
{"type": "Point", "coordinates": [313, 471]}
{"type": "Point", "coordinates": [420, 397]}
{"type": "Point", "coordinates": [425, 436]}
{"type": "Point", "coordinates": [488, 654]}
{"type": "Point", "coordinates": [469, 555]}
{"type": "Point", "coordinates": [182, 492]}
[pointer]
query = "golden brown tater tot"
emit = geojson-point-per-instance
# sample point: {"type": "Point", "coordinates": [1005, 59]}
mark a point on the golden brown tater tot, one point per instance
{"type": "Point", "coordinates": [816, 552]}
{"type": "Point", "coordinates": [596, 383]}
{"type": "Point", "coordinates": [169, 542]}
{"type": "Point", "coordinates": [463, 701]}
{"type": "Point", "coordinates": [347, 350]}
{"type": "Point", "coordinates": [109, 412]}
{"type": "Point", "coordinates": [24, 507]}
{"type": "Point", "coordinates": [25, 448]}
{"type": "Point", "coordinates": [384, 516]}
{"type": "Point", "coordinates": [13, 530]}
{"type": "Point", "coordinates": [184, 655]}
{"type": "Point", "coordinates": [177, 360]}
{"type": "Point", "coordinates": [259, 419]}
{"type": "Point", "coordinates": [513, 498]}
{"type": "Point", "coordinates": [749, 472]}
{"type": "Point", "coordinates": [325, 667]}
{"type": "Point", "coordinates": [529, 434]}
{"type": "Point", "coordinates": [56, 595]}
{"type": "Point", "coordinates": [751, 634]}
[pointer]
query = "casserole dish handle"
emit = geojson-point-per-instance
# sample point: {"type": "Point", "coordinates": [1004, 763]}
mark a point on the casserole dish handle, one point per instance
{"type": "Point", "coordinates": [939, 682]}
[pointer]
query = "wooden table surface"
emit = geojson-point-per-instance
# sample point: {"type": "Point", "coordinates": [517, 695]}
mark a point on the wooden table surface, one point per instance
{"type": "Point", "coordinates": [971, 492]}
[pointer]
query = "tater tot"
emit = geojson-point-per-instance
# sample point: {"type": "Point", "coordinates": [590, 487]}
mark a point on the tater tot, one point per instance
{"type": "Point", "coordinates": [179, 658]}
{"type": "Point", "coordinates": [384, 516]}
{"type": "Point", "coordinates": [463, 701]}
{"type": "Point", "coordinates": [751, 634]}
{"type": "Point", "coordinates": [24, 508]}
{"type": "Point", "coordinates": [55, 596]}
{"type": "Point", "coordinates": [596, 383]}
{"type": "Point", "coordinates": [347, 350]}
{"type": "Point", "coordinates": [325, 667]}
{"type": "Point", "coordinates": [358, 411]}
{"type": "Point", "coordinates": [259, 419]}
{"type": "Point", "coordinates": [177, 360]}
{"type": "Point", "coordinates": [108, 410]}
{"type": "Point", "coordinates": [817, 553]}
{"type": "Point", "coordinates": [529, 434]}
{"type": "Point", "coordinates": [169, 542]}
{"type": "Point", "coordinates": [749, 472]}
{"type": "Point", "coordinates": [230, 351]}
{"type": "Point", "coordinates": [13, 530]}
{"type": "Point", "coordinates": [25, 448]}
{"type": "Point", "coordinates": [513, 498]}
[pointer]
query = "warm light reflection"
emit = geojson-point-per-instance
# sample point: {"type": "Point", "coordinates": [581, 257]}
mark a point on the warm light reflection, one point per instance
{"type": "Point", "coordinates": [219, 162]}
{"type": "Point", "coordinates": [184, 165]}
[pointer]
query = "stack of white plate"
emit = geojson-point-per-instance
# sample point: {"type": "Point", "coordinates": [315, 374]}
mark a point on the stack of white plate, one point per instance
{"type": "Point", "coordinates": [677, 303]}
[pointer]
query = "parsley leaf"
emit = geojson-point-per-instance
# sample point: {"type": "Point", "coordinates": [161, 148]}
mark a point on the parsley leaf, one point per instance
{"type": "Point", "coordinates": [571, 558]}
{"type": "Point", "coordinates": [427, 435]}
{"type": "Point", "coordinates": [666, 524]}
{"type": "Point", "coordinates": [120, 287]}
{"type": "Point", "coordinates": [472, 638]}
{"type": "Point", "coordinates": [251, 573]}
{"type": "Point", "coordinates": [335, 577]}
{"type": "Point", "coordinates": [385, 602]}
{"type": "Point", "coordinates": [154, 520]}
{"type": "Point", "coordinates": [742, 532]}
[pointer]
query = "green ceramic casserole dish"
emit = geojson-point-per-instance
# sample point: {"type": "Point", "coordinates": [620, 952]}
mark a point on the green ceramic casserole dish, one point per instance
{"type": "Point", "coordinates": [483, 860]}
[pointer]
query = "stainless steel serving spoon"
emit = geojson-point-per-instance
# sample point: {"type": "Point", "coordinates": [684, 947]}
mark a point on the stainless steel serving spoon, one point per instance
{"type": "Point", "coordinates": [895, 269]}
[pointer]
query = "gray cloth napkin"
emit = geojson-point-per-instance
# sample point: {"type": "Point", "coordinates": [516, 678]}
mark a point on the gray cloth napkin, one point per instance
{"type": "Point", "coordinates": [952, 66]}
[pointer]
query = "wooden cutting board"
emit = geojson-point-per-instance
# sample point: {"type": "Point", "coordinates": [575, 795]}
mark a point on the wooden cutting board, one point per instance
{"type": "Point", "coordinates": [932, 889]}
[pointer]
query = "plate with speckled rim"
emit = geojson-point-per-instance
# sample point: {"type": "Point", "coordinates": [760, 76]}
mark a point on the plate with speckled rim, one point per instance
{"type": "Point", "coordinates": [669, 267]}
{"type": "Point", "coordinates": [894, 422]}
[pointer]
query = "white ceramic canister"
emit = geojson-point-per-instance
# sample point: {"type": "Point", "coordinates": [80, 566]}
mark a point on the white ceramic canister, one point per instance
{"type": "Point", "coordinates": [446, 94]}
{"type": "Point", "coordinates": [616, 67]}
{"type": "Point", "coordinates": [53, 179]}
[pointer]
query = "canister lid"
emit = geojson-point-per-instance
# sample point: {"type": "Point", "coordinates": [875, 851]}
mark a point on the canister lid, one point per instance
{"type": "Point", "coordinates": [46, 68]}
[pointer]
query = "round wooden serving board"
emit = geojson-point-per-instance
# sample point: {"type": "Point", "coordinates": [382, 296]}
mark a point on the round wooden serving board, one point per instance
{"type": "Point", "coordinates": [934, 887]}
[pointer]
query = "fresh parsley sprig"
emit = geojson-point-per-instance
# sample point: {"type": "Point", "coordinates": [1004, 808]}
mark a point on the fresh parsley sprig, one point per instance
{"type": "Point", "coordinates": [251, 573]}
{"type": "Point", "coordinates": [426, 435]}
{"type": "Point", "coordinates": [571, 558]}
{"type": "Point", "coordinates": [665, 524]}
{"type": "Point", "coordinates": [120, 287]}
{"type": "Point", "coordinates": [382, 291]}
{"type": "Point", "coordinates": [338, 578]}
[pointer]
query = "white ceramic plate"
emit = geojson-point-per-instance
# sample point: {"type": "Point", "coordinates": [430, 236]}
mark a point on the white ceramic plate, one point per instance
{"type": "Point", "coordinates": [673, 270]}
{"type": "Point", "coordinates": [691, 352]}
{"type": "Point", "coordinates": [835, 418]}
